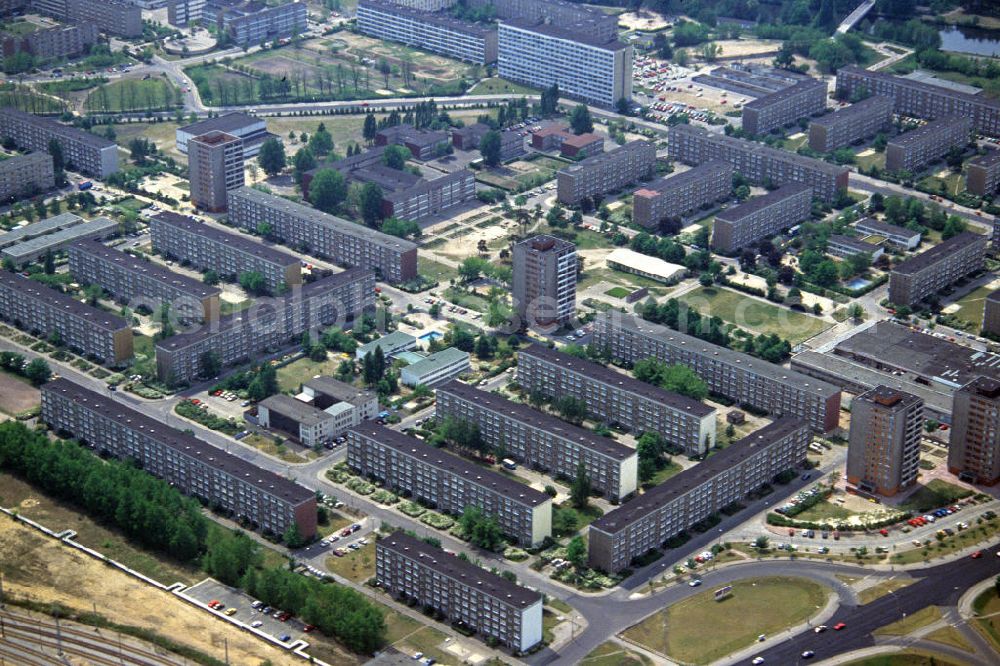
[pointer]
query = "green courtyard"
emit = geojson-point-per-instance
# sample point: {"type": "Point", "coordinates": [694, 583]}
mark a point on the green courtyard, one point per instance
{"type": "Point", "coordinates": [753, 314]}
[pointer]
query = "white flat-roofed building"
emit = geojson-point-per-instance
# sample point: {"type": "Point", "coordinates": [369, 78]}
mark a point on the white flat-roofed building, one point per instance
{"type": "Point", "coordinates": [654, 268]}
{"type": "Point", "coordinates": [436, 368]}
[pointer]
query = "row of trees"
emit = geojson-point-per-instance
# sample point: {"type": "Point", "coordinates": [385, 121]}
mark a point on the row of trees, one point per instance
{"type": "Point", "coordinates": [37, 370]}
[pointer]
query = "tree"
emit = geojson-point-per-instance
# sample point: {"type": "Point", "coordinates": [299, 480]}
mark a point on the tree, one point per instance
{"type": "Point", "coordinates": [571, 408]}
{"type": "Point", "coordinates": [785, 56]}
{"type": "Point", "coordinates": [370, 203]}
{"type": "Point", "coordinates": [481, 530]}
{"type": "Point", "coordinates": [50, 263]}
{"type": "Point", "coordinates": [649, 449]}
{"type": "Point", "coordinates": [38, 371]}
{"type": "Point", "coordinates": [210, 365]}
{"type": "Point", "coordinates": [576, 552]}
{"type": "Point", "coordinates": [489, 147]}
{"type": "Point", "coordinates": [292, 537]}
{"type": "Point", "coordinates": [56, 151]}
{"type": "Point", "coordinates": [682, 379]}
{"type": "Point", "coordinates": [549, 101]}
{"type": "Point", "coordinates": [471, 268]}
{"type": "Point", "coordinates": [564, 521]}
{"type": "Point", "coordinates": [272, 156]}
{"type": "Point", "coordinates": [395, 157]}
{"type": "Point", "coordinates": [580, 119]}
{"type": "Point", "coordinates": [370, 128]}
{"type": "Point", "coordinates": [253, 282]}
{"type": "Point", "coordinates": [321, 142]}
{"type": "Point", "coordinates": [230, 554]}
{"type": "Point", "coordinates": [579, 492]}
{"type": "Point", "coordinates": [394, 226]}
{"type": "Point", "coordinates": [761, 542]}
{"type": "Point", "coordinates": [303, 162]}
{"type": "Point", "coordinates": [327, 190]}
{"type": "Point", "coordinates": [210, 277]}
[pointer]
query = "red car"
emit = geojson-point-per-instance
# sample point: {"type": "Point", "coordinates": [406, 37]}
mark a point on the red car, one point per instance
{"type": "Point", "coordinates": [884, 532]}
{"type": "Point", "coordinates": [839, 626]}
{"type": "Point", "coordinates": [213, 603]}
{"type": "Point", "coordinates": [976, 555]}
{"type": "Point", "coordinates": [308, 628]}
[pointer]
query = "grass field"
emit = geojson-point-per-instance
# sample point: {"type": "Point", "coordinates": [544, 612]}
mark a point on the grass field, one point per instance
{"type": "Point", "coordinates": [934, 495]}
{"type": "Point", "coordinates": [910, 623]}
{"type": "Point", "coordinates": [296, 372]}
{"type": "Point", "coordinates": [879, 590]}
{"type": "Point", "coordinates": [950, 636]}
{"type": "Point", "coordinates": [17, 394]}
{"type": "Point", "coordinates": [434, 270]}
{"type": "Point", "coordinates": [610, 653]}
{"type": "Point", "coordinates": [757, 606]}
{"type": "Point", "coordinates": [164, 135]}
{"type": "Point", "coordinates": [154, 94]}
{"type": "Point", "coordinates": [908, 658]}
{"type": "Point", "coordinates": [408, 636]}
{"type": "Point", "coordinates": [865, 162]}
{"type": "Point", "coordinates": [753, 314]}
{"type": "Point", "coordinates": [498, 86]}
{"type": "Point", "coordinates": [824, 511]}
{"type": "Point", "coordinates": [24, 98]}
{"type": "Point", "coordinates": [953, 182]}
{"type": "Point", "coordinates": [618, 292]}
{"type": "Point", "coordinates": [358, 565]}
{"type": "Point", "coordinates": [987, 605]}
{"type": "Point", "coordinates": [971, 306]}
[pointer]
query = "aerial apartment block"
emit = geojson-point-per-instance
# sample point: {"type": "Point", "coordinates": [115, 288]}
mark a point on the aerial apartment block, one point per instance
{"type": "Point", "coordinates": [35, 247]}
{"type": "Point", "coordinates": [784, 107]}
{"type": "Point", "coordinates": [653, 518]}
{"type": "Point", "coordinates": [46, 312]}
{"type": "Point", "coordinates": [544, 280]}
{"type": "Point", "coordinates": [974, 448]}
{"type": "Point", "coordinates": [991, 313]}
{"type": "Point", "coordinates": [117, 17]}
{"type": "Point", "coordinates": [24, 176]}
{"type": "Point", "coordinates": [251, 129]}
{"type": "Point", "coordinates": [919, 99]}
{"type": "Point", "coordinates": [327, 236]}
{"type": "Point", "coordinates": [136, 281]}
{"type": "Point", "coordinates": [409, 568]}
{"type": "Point", "coordinates": [760, 164]}
{"type": "Point", "coordinates": [449, 482]}
{"type": "Point", "coordinates": [82, 151]}
{"type": "Point", "coordinates": [207, 247]}
{"type": "Point", "coordinates": [606, 172]}
{"type": "Point", "coordinates": [931, 271]}
{"type": "Point", "coordinates": [438, 33]}
{"type": "Point", "coordinates": [423, 144]}
{"type": "Point", "coordinates": [62, 41]}
{"type": "Point", "coordinates": [735, 375]}
{"type": "Point", "coordinates": [215, 166]}
{"type": "Point", "coordinates": [183, 13]}
{"type": "Point", "coordinates": [541, 441]}
{"type": "Point", "coordinates": [254, 22]}
{"type": "Point", "coordinates": [411, 197]}
{"type": "Point", "coordinates": [883, 453]}
{"type": "Point", "coordinates": [269, 325]}
{"type": "Point", "coordinates": [760, 217]}
{"type": "Point", "coordinates": [858, 121]}
{"type": "Point", "coordinates": [618, 399]}
{"type": "Point", "coordinates": [268, 500]}
{"type": "Point", "coordinates": [682, 194]}
{"type": "Point", "coordinates": [899, 237]}
{"type": "Point", "coordinates": [585, 65]}
{"type": "Point", "coordinates": [917, 148]}
{"type": "Point", "coordinates": [982, 177]}
{"type": "Point", "coordinates": [469, 137]}
{"type": "Point", "coordinates": [557, 12]}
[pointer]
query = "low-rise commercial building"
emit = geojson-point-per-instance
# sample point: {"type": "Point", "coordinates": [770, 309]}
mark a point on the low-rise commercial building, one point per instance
{"type": "Point", "coordinates": [33, 249]}
{"type": "Point", "coordinates": [618, 399]}
{"type": "Point", "coordinates": [423, 144]}
{"type": "Point", "coordinates": [842, 246]}
{"type": "Point", "coordinates": [982, 176]}
{"type": "Point", "coordinates": [448, 482]}
{"type": "Point", "coordinates": [917, 148]}
{"type": "Point", "coordinates": [679, 195]}
{"type": "Point", "coordinates": [883, 452]}
{"type": "Point", "coordinates": [585, 65]}
{"type": "Point", "coordinates": [847, 126]}
{"type": "Point", "coordinates": [207, 247]}
{"type": "Point", "coordinates": [647, 522]}
{"type": "Point", "coordinates": [931, 271]}
{"type": "Point", "coordinates": [784, 107]}
{"type": "Point", "coordinates": [580, 146]}
{"type": "Point", "coordinates": [390, 344]}
{"type": "Point", "coordinates": [414, 198]}
{"type": "Point", "coordinates": [753, 221]}
{"type": "Point", "coordinates": [735, 375]}
{"type": "Point", "coordinates": [899, 237]}
{"type": "Point", "coordinates": [269, 325]}
{"type": "Point", "coordinates": [541, 441]}
{"type": "Point", "coordinates": [974, 448]}
{"type": "Point", "coordinates": [327, 236]}
{"type": "Point", "coordinates": [41, 228]}
{"type": "Point", "coordinates": [325, 392]}
{"type": "Point", "coordinates": [24, 176]}
{"type": "Point", "coordinates": [82, 151]}
{"type": "Point", "coordinates": [606, 172]}
{"type": "Point", "coordinates": [469, 137]}
{"type": "Point", "coordinates": [269, 501]}
{"type": "Point", "coordinates": [299, 420]}
{"type": "Point", "coordinates": [629, 261]}
{"type": "Point", "coordinates": [215, 166]}
{"type": "Point", "coordinates": [139, 282]}
{"type": "Point", "coordinates": [251, 129]}
{"type": "Point", "coordinates": [35, 308]}
{"type": "Point", "coordinates": [760, 164]}
{"type": "Point", "coordinates": [408, 568]}
{"type": "Point", "coordinates": [920, 99]}
{"type": "Point", "coordinates": [436, 368]}
{"type": "Point", "coordinates": [438, 33]}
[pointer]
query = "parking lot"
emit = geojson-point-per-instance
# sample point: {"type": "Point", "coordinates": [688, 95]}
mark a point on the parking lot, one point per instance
{"type": "Point", "coordinates": [256, 618]}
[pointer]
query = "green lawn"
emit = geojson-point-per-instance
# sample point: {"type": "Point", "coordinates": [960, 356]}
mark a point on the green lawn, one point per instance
{"type": "Point", "coordinates": [910, 623]}
{"type": "Point", "coordinates": [879, 590]}
{"type": "Point", "coordinates": [19, 28]}
{"type": "Point", "coordinates": [669, 470]}
{"type": "Point", "coordinates": [25, 99]}
{"type": "Point", "coordinates": [408, 636]}
{"type": "Point", "coordinates": [753, 314]}
{"type": "Point", "coordinates": [498, 86]}
{"type": "Point", "coordinates": [824, 511]}
{"type": "Point", "coordinates": [435, 271]}
{"type": "Point", "coordinates": [618, 292]}
{"type": "Point", "coordinates": [953, 182]}
{"type": "Point", "coordinates": [971, 307]}
{"type": "Point", "coordinates": [908, 658]}
{"type": "Point", "coordinates": [934, 495]}
{"type": "Point", "coordinates": [987, 605]}
{"type": "Point", "coordinates": [610, 653]}
{"type": "Point", "coordinates": [296, 372]}
{"type": "Point", "coordinates": [153, 94]}
{"type": "Point", "coordinates": [358, 565]}
{"type": "Point", "coordinates": [865, 163]}
{"type": "Point", "coordinates": [700, 630]}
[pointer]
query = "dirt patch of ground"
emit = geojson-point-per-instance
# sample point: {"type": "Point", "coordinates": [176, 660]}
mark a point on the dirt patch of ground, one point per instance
{"type": "Point", "coordinates": [40, 568]}
{"type": "Point", "coordinates": [16, 395]}
{"type": "Point", "coordinates": [748, 47]}
{"type": "Point", "coordinates": [643, 20]}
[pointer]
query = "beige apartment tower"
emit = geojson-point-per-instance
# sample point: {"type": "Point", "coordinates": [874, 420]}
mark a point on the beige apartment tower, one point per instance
{"type": "Point", "coordinates": [884, 450]}
{"type": "Point", "coordinates": [544, 281]}
{"type": "Point", "coordinates": [215, 166]}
